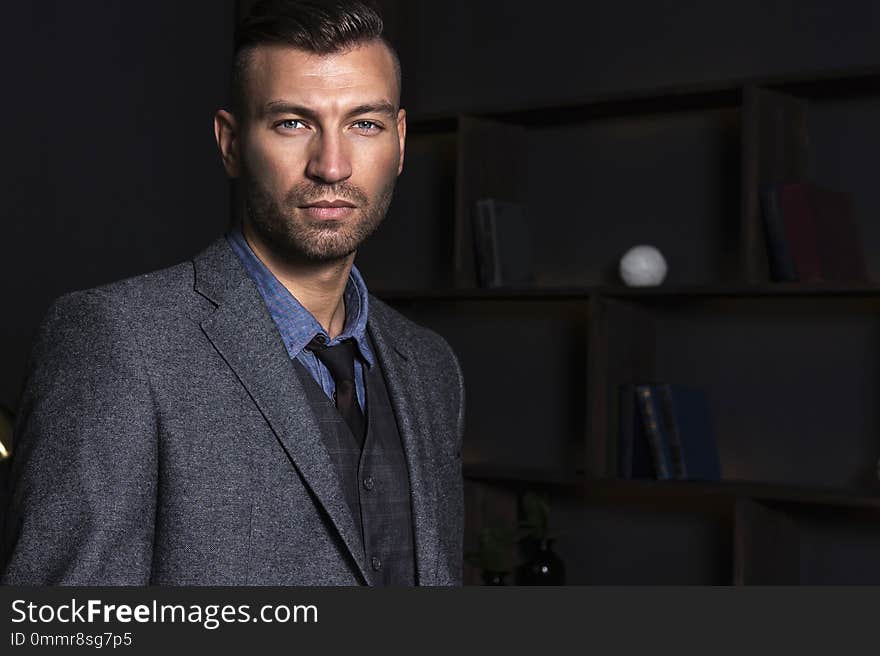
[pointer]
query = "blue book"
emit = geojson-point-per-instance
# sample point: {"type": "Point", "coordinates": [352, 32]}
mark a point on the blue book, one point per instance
{"type": "Point", "coordinates": [688, 421]}
{"type": "Point", "coordinates": [666, 432]}
{"type": "Point", "coordinates": [782, 265]}
{"type": "Point", "coordinates": [654, 431]}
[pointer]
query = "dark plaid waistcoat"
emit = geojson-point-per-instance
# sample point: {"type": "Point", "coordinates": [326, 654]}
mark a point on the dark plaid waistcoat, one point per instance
{"type": "Point", "coordinates": [375, 480]}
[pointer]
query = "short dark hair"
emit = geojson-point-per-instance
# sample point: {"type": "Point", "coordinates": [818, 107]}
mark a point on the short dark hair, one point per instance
{"type": "Point", "coordinates": [316, 26]}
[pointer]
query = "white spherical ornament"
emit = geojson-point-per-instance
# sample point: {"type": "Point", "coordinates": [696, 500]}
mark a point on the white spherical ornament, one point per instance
{"type": "Point", "coordinates": [643, 266]}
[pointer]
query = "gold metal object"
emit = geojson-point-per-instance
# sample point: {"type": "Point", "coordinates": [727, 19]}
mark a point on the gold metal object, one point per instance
{"type": "Point", "coordinates": [6, 424]}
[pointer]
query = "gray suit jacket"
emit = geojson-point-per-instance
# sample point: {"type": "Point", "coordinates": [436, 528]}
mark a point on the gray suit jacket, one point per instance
{"type": "Point", "coordinates": [164, 438]}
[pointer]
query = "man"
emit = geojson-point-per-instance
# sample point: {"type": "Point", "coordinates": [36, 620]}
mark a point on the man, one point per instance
{"type": "Point", "coordinates": [254, 417]}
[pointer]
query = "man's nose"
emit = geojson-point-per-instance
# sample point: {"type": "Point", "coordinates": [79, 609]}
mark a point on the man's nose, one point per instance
{"type": "Point", "coordinates": [329, 161]}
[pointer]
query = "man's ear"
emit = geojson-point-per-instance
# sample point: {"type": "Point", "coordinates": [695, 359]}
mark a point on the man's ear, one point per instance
{"type": "Point", "coordinates": [401, 137]}
{"type": "Point", "coordinates": [226, 134]}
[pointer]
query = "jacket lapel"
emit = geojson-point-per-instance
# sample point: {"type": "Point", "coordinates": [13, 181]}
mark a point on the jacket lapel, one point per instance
{"type": "Point", "coordinates": [401, 378]}
{"type": "Point", "coordinates": [243, 332]}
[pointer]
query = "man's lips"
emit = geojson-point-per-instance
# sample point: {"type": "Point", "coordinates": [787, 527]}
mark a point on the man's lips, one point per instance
{"type": "Point", "coordinates": [329, 209]}
{"type": "Point", "coordinates": [329, 203]}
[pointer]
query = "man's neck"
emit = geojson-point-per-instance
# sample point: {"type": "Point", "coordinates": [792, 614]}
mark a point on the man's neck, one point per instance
{"type": "Point", "coordinates": [319, 287]}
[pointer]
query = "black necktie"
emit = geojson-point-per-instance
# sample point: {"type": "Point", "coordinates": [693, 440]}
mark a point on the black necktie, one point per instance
{"type": "Point", "coordinates": [339, 361]}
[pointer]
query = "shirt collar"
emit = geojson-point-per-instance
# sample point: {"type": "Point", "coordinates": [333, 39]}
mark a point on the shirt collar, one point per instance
{"type": "Point", "coordinates": [296, 324]}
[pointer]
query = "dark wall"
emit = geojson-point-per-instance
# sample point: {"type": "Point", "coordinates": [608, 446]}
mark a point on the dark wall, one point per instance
{"type": "Point", "coordinates": [109, 165]}
{"type": "Point", "coordinates": [466, 56]}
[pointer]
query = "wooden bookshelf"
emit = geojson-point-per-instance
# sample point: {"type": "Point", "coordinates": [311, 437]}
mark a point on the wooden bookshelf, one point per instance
{"type": "Point", "coordinates": [677, 494]}
{"type": "Point", "coordinates": [791, 369]}
{"type": "Point", "coordinates": [609, 291]}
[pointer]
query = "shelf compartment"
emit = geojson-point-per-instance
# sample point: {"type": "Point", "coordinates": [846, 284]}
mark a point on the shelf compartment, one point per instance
{"type": "Point", "coordinates": [792, 385]}
{"type": "Point", "coordinates": [525, 369]}
{"type": "Point", "coordinates": [791, 544]}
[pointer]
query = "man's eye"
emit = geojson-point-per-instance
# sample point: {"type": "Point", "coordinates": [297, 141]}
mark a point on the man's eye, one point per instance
{"type": "Point", "coordinates": [367, 126]}
{"type": "Point", "coordinates": [291, 124]}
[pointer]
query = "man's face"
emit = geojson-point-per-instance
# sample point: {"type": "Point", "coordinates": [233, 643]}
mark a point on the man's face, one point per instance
{"type": "Point", "coordinates": [321, 146]}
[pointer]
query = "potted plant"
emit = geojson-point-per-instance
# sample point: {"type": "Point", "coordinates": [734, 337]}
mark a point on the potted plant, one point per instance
{"type": "Point", "coordinates": [494, 555]}
{"type": "Point", "coordinates": [542, 565]}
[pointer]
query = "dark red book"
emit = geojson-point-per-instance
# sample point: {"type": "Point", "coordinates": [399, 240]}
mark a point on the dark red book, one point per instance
{"type": "Point", "coordinates": [798, 218]}
{"type": "Point", "coordinates": [840, 249]}
{"type": "Point", "coordinates": [822, 234]}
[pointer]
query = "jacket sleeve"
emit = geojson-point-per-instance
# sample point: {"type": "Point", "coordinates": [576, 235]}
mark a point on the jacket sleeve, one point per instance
{"type": "Point", "coordinates": [82, 496]}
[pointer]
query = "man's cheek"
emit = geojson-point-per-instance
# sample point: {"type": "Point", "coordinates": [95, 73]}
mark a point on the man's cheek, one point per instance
{"type": "Point", "coordinates": [384, 165]}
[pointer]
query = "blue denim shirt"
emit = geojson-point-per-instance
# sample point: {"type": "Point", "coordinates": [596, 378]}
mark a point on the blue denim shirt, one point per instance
{"type": "Point", "coordinates": [297, 325]}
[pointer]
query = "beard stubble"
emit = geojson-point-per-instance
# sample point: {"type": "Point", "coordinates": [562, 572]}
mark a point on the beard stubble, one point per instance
{"type": "Point", "coordinates": [292, 235]}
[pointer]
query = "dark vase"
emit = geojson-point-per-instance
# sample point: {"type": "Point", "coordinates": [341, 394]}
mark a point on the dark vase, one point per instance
{"type": "Point", "coordinates": [543, 567]}
{"type": "Point", "coordinates": [494, 578]}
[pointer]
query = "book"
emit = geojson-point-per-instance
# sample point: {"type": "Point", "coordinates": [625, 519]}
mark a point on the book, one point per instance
{"type": "Point", "coordinates": [485, 248]}
{"type": "Point", "coordinates": [634, 459]}
{"type": "Point", "coordinates": [666, 432]}
{"type": "Point", "coordinates": [688, 420]}
{"type": "Point", "coordinates": [841, 257]}
{"type": "Point", "coordinates": [800, 231]}
{"type": "Point", "coordinates": [812, 234]}
{"type": "Point", "coordinates": [654, 431]}
{"type": "Point", "coordinates": [502, 244]}
{"type": "Point", "coordinates": [672, 434]}
{"type": "Point", "coordinates": [779, 255]}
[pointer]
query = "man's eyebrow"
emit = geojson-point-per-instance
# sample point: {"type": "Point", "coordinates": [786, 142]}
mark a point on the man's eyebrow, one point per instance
{"type": "Point", "coordinates": [374, 108]}
{"type": "Point", "coordinates": [281, 107]}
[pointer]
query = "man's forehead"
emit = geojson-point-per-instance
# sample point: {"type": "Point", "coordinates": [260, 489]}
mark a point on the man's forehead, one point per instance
{"type": "Point", "coordinates": [278, 71]}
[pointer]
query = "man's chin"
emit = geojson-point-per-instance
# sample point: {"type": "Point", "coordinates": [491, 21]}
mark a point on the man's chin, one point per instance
{"type": "Point", "coordinates": [306, 240]}
{"type": "Point", "coordinates": [320, 250]}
